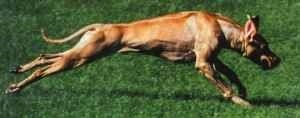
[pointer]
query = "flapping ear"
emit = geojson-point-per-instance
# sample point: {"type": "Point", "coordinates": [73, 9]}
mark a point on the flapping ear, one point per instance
{"type": "Point", "coordinates": [255, 20]}
{"type": "Point", "coordinates": [250, 27]}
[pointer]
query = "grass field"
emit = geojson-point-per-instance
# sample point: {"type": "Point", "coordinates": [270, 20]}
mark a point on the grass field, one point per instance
{"type": "Point", "coordinates": [137, 85]}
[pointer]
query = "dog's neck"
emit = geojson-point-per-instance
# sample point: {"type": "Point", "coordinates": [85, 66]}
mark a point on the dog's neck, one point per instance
{"type": "Point", "coordinates": [234, 35]}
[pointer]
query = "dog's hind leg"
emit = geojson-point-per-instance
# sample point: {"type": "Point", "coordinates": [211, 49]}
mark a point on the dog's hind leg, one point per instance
{"type": "Point", "coordinates": [93, 44]}
{"type": "Point", "coordinates": [56, 66]}
{"type": "Point", "coordinates": [41, 60]}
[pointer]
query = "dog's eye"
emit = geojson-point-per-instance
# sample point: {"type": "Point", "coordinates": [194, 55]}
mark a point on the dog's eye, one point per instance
{"type": "Point", "coordinates": [263, 46]}
{"type": "Point", "coordinates": [258, 43]}
{"type": "Point", "coordinates": [255, 43]}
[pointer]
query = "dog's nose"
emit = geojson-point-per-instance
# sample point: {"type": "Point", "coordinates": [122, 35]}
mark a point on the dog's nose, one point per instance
{"type": "Point", "coordinates": [270, 61]}
{"type": "Point", "coordinates": [276, 61]}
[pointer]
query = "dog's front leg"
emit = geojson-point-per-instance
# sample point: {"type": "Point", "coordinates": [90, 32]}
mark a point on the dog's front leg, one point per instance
{"type": "Point", "coordinates": [233, 78]}
{"type": "Point", "coordinates": [205, 66]}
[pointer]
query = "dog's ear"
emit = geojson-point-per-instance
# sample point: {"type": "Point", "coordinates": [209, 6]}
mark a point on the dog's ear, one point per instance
{"type": "Point", "coordinates": [256, 20]}
{"type": "Point", "coordinates": [251, 27]}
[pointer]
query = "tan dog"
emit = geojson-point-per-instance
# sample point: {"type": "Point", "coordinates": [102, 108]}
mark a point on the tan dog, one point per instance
{"type": "Point", "coordinates": [185, 36]}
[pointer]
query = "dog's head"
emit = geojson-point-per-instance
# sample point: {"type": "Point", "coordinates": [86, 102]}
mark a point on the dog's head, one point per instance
{"type": "Point", "coordinates": [256, 47]}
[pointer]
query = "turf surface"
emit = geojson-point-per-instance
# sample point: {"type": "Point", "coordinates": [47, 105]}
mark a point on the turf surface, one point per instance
{"type": "Point", "coordinates": [137, 85]}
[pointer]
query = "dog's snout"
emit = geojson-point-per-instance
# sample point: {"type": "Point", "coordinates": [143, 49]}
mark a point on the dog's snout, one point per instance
{"type": "Point", "coordinates": [269, 61]}
{"type": "Point", "coordinates": [276, 61]}
{"type": "Point", "coordinates": [272, 61]}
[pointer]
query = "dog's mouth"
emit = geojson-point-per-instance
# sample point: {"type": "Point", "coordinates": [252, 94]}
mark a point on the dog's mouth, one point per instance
{"type": "Point", "coordinates": [269, 62]}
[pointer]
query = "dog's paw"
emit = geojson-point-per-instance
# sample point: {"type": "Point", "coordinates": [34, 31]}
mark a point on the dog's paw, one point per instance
{"type": "Point", "coordinates": [15, 69]}
{"type": "Point", "coordinates": [240, 101]}
{"type": "Point", "coordinates": [13, 88]}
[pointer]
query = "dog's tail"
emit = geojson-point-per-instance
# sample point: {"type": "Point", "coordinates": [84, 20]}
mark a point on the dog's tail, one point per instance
{"type": "Point", "coordinates": [72, 36]}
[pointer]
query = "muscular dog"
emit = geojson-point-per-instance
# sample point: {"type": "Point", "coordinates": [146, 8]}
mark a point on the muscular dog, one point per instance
{"type": "Point", "coordinates": [186, 36]}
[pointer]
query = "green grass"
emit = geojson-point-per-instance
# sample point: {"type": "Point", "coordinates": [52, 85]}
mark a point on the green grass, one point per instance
{"type": "Point", "coordinates": [137, 85]}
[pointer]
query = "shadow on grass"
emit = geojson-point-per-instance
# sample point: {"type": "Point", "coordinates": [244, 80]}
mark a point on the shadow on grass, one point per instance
{"type": "Point", "coordinates": [174, 96]}
{"type": "Point", "coordinates": [185, 96]}
{"type": "Point", "coordinates": [177, 96]}
{"type": "Point", "coordinates": [295, 103]}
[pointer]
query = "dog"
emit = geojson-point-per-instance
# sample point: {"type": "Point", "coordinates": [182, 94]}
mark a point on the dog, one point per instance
{"type": "Point", "coordinates": [195, 36]}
